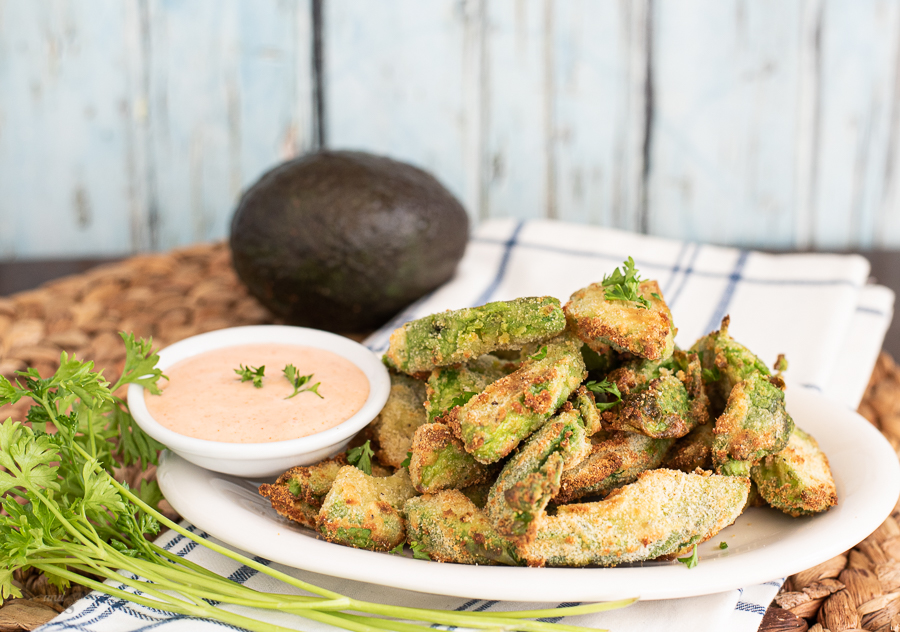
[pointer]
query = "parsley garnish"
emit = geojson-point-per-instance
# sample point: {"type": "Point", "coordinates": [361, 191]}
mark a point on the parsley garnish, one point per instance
{"type": "Point", "coordinates": [541, 354]}
{"type": "Point", "coordinates": [605, 387]}
{"type": "Point", "coordinates": [624, 286]}
{"type": "Point", "coordinates": [361, 457]}
{"type": "Point", "coordinates": [692, 559]}
{"type": "Point", "coordinates": [419, 551]}
{"type": "Point", "coordinates": [250, 373]}
{"type": "Point", "coordinates": [407, 460]}
{"type": "Point", "coordinates": [723, 545]}
{"type": "Point", "coordinates": [298, 381]}
{"type": "Point", "coordinates": [397, 550]}
{"type": "Point", "coordinates": [462, 399]}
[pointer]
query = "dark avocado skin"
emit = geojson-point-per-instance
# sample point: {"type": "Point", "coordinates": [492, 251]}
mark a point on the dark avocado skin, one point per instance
{"type": "Point", "coordinates": [342, 240]}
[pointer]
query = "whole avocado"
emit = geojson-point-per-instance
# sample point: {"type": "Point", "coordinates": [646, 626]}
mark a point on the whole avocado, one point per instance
{"type": "Point", "coordinates": [343, 240]}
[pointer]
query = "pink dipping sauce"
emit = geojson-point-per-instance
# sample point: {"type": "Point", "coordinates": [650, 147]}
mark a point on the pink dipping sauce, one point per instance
{"type": "Point", "coordinates": [204, 397]}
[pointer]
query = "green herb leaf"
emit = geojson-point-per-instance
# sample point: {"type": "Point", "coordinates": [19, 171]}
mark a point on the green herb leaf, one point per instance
{"type": "Point", "coordinates": [541, 354]}
{"type": "Point", "coordinates": [361, 457]}
{"type": "Point", "coordinates": [407, 460]}
{"type": "Point", "coordinates": [397, 550]}
{"type": "Point", "coordinates": [140, 364]}
{"type": "Point", "coordinates": [691, 560]}
{"type": "Point", "coordinates": [299, 381]}
{"type": "Point", "coordinates": [605, 387]}
{"type": "Point", "coordinates": [419, 552]}
{"type": "Point", "coordinates": [462, 399]}
{"type": "Point", "coordinates": [656, 296]}
{"type": "Point", "coordinates": [723, 545]}
{"type": "Point", "coordinates": [249, 373]}
{"type": "Point", "coordinates": [624, 286]}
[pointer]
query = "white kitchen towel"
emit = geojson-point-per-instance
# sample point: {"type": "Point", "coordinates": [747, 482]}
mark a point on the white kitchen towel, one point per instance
{"type": "Point", "coordinates": [814, 308]}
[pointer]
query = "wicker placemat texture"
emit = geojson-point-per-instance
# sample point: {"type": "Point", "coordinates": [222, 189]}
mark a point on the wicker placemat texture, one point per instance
{"type": "Point", "coordinates": [185, 292]}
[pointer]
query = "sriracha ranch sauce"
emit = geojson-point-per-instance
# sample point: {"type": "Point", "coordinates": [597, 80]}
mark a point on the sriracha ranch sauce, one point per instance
{"type": "Point", "coordinates": [205, 398]}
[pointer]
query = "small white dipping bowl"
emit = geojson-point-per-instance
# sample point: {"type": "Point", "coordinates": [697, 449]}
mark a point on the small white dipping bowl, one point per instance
{"type": "Point", "coordinates": [272, 458]}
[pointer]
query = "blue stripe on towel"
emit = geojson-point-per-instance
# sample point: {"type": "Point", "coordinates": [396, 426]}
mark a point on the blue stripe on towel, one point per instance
{"type": "Point", "coordinates": [666, 266]}
{"type": "Point", "coordinates": [728, 294]}
{"type": "Point", "coordinates": [870, 310]}
{"type": "Point", "coordinates": [501, 269]}
{"type": "Point", "coordinates": [744, 606]}
{"type": "Point", "coordinates": [670, 301]}
{"type": "Point", "coordinates": [673, 273]}
{"type": "Point", "coordinates": [565, 604]}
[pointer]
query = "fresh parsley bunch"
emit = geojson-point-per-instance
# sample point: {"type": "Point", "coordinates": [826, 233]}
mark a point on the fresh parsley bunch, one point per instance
{"type": "Point", "coordinates": [65, 515]}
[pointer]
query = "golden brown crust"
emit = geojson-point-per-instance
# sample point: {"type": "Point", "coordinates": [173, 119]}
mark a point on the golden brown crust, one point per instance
{"type": "Point", "coordinates": [288, 505]}
{"type": "Point", "coordinates": [590, 472]}
{"type": "Point", "coordinates": [645, 332]}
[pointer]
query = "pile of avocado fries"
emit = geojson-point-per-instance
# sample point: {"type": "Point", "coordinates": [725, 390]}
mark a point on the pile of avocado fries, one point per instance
{"type": "Point", "coordinates": [525, 432]}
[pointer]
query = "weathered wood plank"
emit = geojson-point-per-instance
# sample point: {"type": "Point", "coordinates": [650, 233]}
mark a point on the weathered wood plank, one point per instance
{"type": "Point", "coordinates": [229, 97]}
{"type": "Point", "coordinates": [723, 159]}
{"type": "Point", "coordinates": [858, 49]}
{"type": "Point", "coordinates": [519, 130]}
{"type": "Point", "coordinates": [600, 71]}
{"type": "Point", "coordinates": [401, 79]}
{"type": "Point", "coordinates": [64, 112]}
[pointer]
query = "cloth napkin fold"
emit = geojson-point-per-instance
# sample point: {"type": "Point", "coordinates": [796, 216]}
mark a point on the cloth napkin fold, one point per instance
{"type": "Point", "coordinates": [814, 308]}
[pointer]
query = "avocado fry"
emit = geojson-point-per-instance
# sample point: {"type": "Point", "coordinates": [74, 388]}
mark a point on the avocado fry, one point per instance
{"type": "Point", "coordinates": [403, 412]}
{"type": "Point", "coordinates": [453, 386]}
{"type": "Point", "coordinates": [364, 511]}
{"type": "Point", "coordinates": [299, 492]}
{"type": "Point", "coordinates": [439, 461]}
{"type": "Point", "coordinates": [530, 478]}
{"type": "Point", "coordinates": [660, 515]}
{"type": "Point", "coordinates": [755, 424]}
{"type": "Point", "coordinates": [458, 336]}
{"type": "Point", "coordinates": [583, 400]}
{"type": "Point", "coordinates": [725, 362]}
{"type": "Point", "coordinates": [692, 451]}
{"type": "Point", "coordinates": [796, 480]}
{"type": "Point", "coordinates": [450, 528]}
{"type": "Point", "coordinates": [492, 423]}
{"type": "Point", "coordinates": [613, 462]}
{"type": "Point", "coordinates": [659, 409]}
{"type": "Point", "coordinates": [624, 325]}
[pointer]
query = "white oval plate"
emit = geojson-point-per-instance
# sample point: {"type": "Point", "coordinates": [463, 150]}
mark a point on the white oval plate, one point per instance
{"type": "Point", "coordinates": [763, 544]}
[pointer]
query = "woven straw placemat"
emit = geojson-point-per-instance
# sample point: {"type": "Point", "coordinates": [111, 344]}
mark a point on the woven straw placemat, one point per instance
{"type": "Point", "coordinates": [185, 292]}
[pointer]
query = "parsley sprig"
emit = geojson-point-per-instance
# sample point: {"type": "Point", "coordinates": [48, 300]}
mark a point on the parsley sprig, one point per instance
{"type": "Point", "coordinates": [250, 373]}
{"type": "Point", "coordinates": [361, 457]}
{"type": "Point", "coordinates": [692, 560]}
{"type": "Point", "coordinates": [605, 387]}
{"type": "Point", "coordinates": [299, 381]}
{"type": "Point", "coordinates": [625, 285]}
{"type": "Point", "coordinates": [65, 515]}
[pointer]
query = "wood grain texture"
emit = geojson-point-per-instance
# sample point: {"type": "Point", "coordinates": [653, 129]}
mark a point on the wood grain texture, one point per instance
{"type": "Point", "coordinates": [64, 112]}
{"type": "Point", "coordinates": [128, 126]}
{"type": "Point", "coordinates": [725, 78]}
{"type": "Point", "coordinates": [600, 111]}
{"type": "Point", "coordinates": [135, 125]}
{"type": "Point", "coordinates": [402, 79]}
{"type": "Point", "coordinates": [229, 96]}
{"type": "Point", "coordinates": [858, 51]}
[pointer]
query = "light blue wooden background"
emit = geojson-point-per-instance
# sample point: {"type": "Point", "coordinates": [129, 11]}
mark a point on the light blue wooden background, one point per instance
{"type": "Point", "coordinates": [129, 125]}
